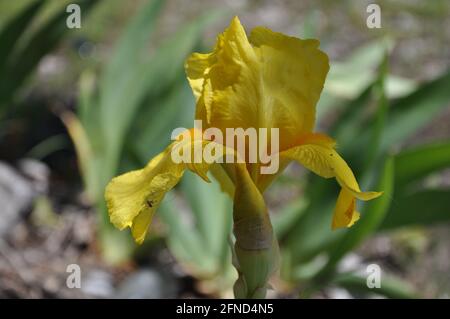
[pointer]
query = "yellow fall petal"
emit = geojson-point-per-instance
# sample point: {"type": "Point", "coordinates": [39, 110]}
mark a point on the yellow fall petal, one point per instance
{"type": "Point", "coordinates": [133, 198]}
{"type": "Point", "coordinates": [141, 223]}
{"type": "Point", "coordinates": [316, 152]}
{"type": "Point", "coordinates": [345, 214]}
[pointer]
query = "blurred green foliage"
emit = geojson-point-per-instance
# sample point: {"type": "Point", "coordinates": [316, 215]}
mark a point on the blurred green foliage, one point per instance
{"type": "Point", "coordinates": [23, 44]}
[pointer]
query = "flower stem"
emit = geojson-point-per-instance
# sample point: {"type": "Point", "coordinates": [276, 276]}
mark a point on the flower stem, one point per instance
{"type": "Point", "coordinates": [256, 247]}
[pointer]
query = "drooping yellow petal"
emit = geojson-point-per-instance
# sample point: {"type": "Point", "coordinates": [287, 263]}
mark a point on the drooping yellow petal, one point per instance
{"type": "Point", "coordinates": [141, 224]}
{"type": "Point", "coordinates": [267, 81]}
{"type": "Point", "coordinates": [133, 198]}
{"type": "Point", "coordinates": [345, 214]}
{"type": "Point", "coordinates": [316, 152]}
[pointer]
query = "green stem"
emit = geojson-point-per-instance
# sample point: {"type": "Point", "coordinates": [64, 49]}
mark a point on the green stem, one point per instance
{"type": "Point", "coordinates": [256, 247]}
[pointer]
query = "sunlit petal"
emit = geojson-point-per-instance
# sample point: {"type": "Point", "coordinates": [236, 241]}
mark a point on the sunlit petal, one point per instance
{"type": "Point", "coordinates": [316, 152]}
{"type": "Point", "coordinates": [268, 80]}
{"type": "Point", "coordinates": [345, 214]}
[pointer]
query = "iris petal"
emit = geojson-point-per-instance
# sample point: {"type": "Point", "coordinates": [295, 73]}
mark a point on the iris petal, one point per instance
{"type": "Point", "coordinates": [345, 214]}
{"type": "Point", "coordinates": [134, 197]}
{"type": "Point", "coordinates": [316, 152]}
{"type": "Point", "coordinates": [268, 80]}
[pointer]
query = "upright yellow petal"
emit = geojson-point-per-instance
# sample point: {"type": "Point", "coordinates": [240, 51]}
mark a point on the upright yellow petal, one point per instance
{"type": "Point", "coordinates": [229, 93]}
{"type": "Point", "coordinates": [292, 74]}
{"type": "Point", "coordinates": [267, 81]}
{"type": "Point", "coordinates": [197, 66]}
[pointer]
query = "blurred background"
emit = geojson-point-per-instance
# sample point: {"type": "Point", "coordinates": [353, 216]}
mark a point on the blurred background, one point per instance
{"type": "Point", "coordinates": [79, 106]}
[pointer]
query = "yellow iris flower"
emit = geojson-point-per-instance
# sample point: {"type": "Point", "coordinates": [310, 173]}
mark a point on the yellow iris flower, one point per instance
{"type": "Point", "coordinates": [265, 80]}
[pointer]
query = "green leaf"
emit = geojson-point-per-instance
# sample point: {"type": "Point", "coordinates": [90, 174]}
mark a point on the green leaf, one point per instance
{"type": "Point", "coordinates": [13, 30]}
{"type": "Point", "coordinates": [413, 164]}
{"type": "Point", "coordinates": [198, 236]}
{"type": "Point", "coordinates": [406, 116]}
{"type": "Point", "coordinates": [201, 245]}
{"type": "Point", "coordinates": [88, 107]}
{"type": "Point", "coordinates": [287, 216]}
{"type": "Point", "coordinates": [420, 208]}
{"type": "Point", "coordinates": [185, 243]}
{"type": "Point", "coordinates": [351, 117]}
{"type": "Point", "coordinates": [391, 287]}
{"type": "Point", "coordinates": [122, 86]}
{"type": "Point", "coordinates": [397, 87]}
{"type": "Point", "coordinates": [346, 79]}
{"type": "Point", "coordinates": [212, 210]}
{"type": "Point", "coordinates": [380, 117]}
{"type": "Point", "coordinates": [416, 110]}
{"type": "Point", "coordinates": [158, 118]}
{"type": "Point", "coordinates": [45, 39]}
{"type": "Point", "coordinates": [85, 155]}
{"type": "Point", "coordinates": [311, 231]}
{"type": "Point", "coordinates": [129, 51]}
{"type": "Point", "coordinates": [48, 146]}
{"type": "Point", "coordinates": [116, 245]}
